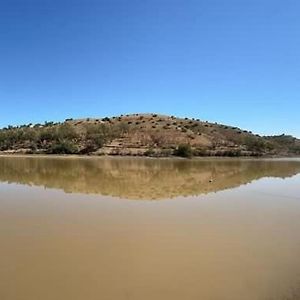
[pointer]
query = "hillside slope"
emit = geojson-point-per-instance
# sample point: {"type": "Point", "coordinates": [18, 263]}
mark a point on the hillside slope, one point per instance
{"type": "Point", "coordinates": [143, 134]}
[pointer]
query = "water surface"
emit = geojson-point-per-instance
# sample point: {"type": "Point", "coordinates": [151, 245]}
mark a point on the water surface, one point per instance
{"type": "Point", "coordinates": [223, 229]}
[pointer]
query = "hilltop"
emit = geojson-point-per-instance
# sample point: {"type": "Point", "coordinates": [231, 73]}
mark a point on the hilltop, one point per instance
{"type": "Point", "coordinates": [143, 135]}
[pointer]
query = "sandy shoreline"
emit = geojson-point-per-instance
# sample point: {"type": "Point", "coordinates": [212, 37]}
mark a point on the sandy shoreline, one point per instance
{"type": "Point", "coordinates": [76, 156]}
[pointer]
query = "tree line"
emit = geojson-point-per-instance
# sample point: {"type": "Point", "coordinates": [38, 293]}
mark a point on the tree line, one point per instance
{"type": "Point", "coordinates": [60, 138]}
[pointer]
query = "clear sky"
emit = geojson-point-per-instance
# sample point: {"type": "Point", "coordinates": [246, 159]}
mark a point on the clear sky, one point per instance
{"type": "Point", "coordinates": [236, 61]}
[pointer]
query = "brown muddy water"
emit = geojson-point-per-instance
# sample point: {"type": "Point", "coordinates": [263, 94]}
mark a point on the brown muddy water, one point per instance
{"type": "Point", "coordinates": [122, 229]}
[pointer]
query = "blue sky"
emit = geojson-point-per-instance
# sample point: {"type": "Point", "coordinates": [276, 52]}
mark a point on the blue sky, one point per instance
{"type": "Point", "coordinates": [234, 62]}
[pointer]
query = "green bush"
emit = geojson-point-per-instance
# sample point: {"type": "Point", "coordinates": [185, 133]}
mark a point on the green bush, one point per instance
{"type": "Point", "coordinates": [183, 150]}
{"type": "Point", "coordinates": [64, 147]}
{"type": "Point", "coordinates": [255, 144]}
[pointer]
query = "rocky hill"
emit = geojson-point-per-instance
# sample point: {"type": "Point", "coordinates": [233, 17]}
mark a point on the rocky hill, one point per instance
{"type": "Point", "coordinates": [143, 135]}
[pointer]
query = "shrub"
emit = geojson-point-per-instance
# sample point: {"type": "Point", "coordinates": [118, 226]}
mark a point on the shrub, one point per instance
{"type": "Point", "coordinates": [255, 144]}
{"type": "Point", "coordinates": [295, 149]}
{"type": "Point", "coordinates": [166, 152]}
{"type": "Point", "coordinates": [66, 131]}
{"type": "Point", "coordinates": [149, 152]}
{"type": "Point", "coordinates": [231, 153]}
{"type": "Point", "coordinates": [184, 150]}
{"type": "Point", "coordinates": [97, 135]}
{"type": "Point", "coordinates": [89, 148]}
{"type": "Point", "coordinates": [64, 147]}
{"type": "Point", "coordinates": [201, 152]}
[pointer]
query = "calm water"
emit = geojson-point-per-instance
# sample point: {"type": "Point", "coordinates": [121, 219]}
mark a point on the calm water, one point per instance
{"type": "Point", "coordinates": [114, 229]}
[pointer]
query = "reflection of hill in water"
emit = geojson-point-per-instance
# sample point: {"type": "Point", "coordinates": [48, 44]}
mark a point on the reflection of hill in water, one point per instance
{"type": "Point", "coordinates": [140, 178]}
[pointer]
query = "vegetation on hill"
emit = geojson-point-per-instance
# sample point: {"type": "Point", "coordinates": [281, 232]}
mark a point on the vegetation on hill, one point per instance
{"type": "Point", "coordinates": [143, 134]}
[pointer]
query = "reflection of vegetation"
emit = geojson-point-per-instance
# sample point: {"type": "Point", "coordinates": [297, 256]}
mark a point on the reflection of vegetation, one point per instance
{"type": "Point", "coordinates": [140, 178]}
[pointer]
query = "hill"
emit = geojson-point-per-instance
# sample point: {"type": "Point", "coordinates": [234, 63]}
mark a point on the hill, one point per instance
{"type": "Point", "coordinates": [143, 135]}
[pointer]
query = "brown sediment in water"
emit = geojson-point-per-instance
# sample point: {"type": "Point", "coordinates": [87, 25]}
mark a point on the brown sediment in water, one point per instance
{"type": "Point", "coordinates": [242, 244]}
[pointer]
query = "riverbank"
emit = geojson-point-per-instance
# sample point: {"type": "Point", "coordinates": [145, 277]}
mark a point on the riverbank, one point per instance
{"type": "Point", "coordinates": [78, 156]}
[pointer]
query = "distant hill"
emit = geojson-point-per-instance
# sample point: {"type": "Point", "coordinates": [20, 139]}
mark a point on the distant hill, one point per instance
{"type": "Point", "coordinates": [143, 135]}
